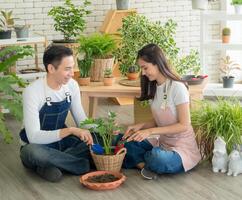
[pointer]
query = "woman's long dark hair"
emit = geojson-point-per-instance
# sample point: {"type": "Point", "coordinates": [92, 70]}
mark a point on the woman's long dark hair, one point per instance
{"type": "Point", "coordinates": [152, 53]}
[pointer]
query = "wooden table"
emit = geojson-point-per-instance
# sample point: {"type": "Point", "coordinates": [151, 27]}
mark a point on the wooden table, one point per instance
{"type": "Point", "coordinates": [95, 90]}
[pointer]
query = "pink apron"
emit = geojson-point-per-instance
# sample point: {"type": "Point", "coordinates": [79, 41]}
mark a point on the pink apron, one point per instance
{"type": "Point", "coordinates": [183, 143]}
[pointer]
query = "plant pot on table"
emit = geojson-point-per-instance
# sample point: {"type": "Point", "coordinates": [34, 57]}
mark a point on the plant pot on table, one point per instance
{"type": "Point", "coordinates": [193, 79]}
{"type": "Point", "coordinates": [228, 82]}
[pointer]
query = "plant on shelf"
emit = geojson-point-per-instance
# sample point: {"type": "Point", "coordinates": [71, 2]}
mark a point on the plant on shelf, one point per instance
{"type": "Point", "coordinates": [137, 31]}
{"type": "Point", "coordinates": [100, 48]}
{"type": "Point", "coordinates": [213, 119]}
{"type": "Point", "coordinates": [227, 66]}
{"type": "Point", "coordinates": [70, 19]}
{"type": "Point", "coordinates": [9, 98]}
{"type": "Point", "coordinates": [108, 77]}
{"type": "Point", "coordinates": [84, 69]}
{"type": "Point", "coordinates": [226, 32]}
{"type": "Point", "coordinates": [6, 24]}
{"type": "Point", "coordinates": [237, 6]}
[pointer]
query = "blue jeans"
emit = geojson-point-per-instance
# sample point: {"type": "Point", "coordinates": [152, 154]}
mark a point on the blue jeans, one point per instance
{"type": "Point", "coordinates": [70, 154]}
{"type": "Point", "coordinates": [156, 159]}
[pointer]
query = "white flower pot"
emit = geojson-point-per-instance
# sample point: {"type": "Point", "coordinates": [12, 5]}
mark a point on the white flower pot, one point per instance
{"type": "Point", "coordinates": [238, 9]}
{"type": "Point", "coordinates": [200, 4]}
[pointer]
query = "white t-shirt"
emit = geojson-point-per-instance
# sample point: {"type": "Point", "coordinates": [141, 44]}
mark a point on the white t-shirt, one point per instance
{"type": "Point", "coordinates": [177, 93]}
{"type": "Point", "coordinates": [34, 97]}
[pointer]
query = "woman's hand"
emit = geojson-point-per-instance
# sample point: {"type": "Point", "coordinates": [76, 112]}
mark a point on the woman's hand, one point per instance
{"type": "Point", "coordinates": [139, 135]}
{"type": "Point", "coordinates": [132, 129]}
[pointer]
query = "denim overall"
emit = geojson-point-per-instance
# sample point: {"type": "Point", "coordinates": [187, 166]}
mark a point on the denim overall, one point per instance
{"type": "Point", "coordinates": [69, 154]}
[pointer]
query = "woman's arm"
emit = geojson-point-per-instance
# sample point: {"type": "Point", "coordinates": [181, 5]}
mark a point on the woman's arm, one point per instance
{"type": "Point", "coordinates": [182, 125]}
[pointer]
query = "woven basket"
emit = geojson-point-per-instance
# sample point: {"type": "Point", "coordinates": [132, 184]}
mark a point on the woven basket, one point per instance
{"type": "Point", "coordinates": [109, 162]}
{"type": "Point", "coordinates": [97, 70]}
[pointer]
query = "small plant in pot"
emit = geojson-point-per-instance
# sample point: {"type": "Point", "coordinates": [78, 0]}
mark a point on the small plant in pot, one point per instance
{"type": "Point", "coordinates": [100, 48]}
{"type": "Point", "coordinates": [227, 66]}
{"type": "Point", "coordinates": [122, 4]}
{"type": "Point", "coordinates": [22, 31]}
{"type": "Point", "coordinates": [6, 24]}
{"type": "Point", "coordinates": [108, 77]}
{"type": "Point", "coordinates": [226, 32]}
{"type": "Point", "coordinates": [103, 130]}
{"type": "Point", "coordinates": [84, 69]}
{"type": "Point", "coordinates": [133, 72]}
{"type": "Point", "coordinates": [237, 6]}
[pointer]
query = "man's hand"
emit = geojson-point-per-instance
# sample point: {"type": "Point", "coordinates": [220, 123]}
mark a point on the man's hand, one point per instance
{"type": "Point", "coordinates": [84, 135]}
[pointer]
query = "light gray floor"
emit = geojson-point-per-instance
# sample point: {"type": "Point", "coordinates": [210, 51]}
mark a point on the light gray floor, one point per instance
{"type": "Point", "coordinates": [17, 183]}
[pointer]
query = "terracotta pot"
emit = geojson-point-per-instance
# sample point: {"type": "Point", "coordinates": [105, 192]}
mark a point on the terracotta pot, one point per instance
{"type": "Point", "coordinates": [226, 38]}
{"type": "Point", "coordinates": [108, 81]}
{"type": "Point", "coordinates": [76, 75]}
{"type": "Point", "coordinates": [132, 76]}
{"type": "Point", "coordinates": [102, 186]}
{"type": "Point", "coordinates": [84, 81]}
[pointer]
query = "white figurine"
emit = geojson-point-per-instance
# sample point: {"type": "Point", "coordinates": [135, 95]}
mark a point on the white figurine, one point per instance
{"type": "Point", "coordinates": [235, 163]}
{"type": "Point", "coordinates": [220, 156]}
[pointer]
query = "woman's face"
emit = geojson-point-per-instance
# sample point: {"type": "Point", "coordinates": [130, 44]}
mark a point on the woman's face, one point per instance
{"type": "Point", "coordinates": [148, 69]}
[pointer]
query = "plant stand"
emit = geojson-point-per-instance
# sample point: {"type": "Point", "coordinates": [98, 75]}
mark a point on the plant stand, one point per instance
{"type": "Point", "coordinates": [111, 24]}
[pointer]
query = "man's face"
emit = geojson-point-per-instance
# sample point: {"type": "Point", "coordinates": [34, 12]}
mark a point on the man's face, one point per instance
{"type": "Point", "coordinates": [65, 70]}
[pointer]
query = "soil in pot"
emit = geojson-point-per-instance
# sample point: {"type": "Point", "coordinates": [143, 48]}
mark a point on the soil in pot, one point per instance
{"type": "Point", "coordinates": [104, 178]}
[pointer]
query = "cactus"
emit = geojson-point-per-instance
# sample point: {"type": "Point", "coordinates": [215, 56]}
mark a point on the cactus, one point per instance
{"type": "Point", "coordinates": [108, 73]}
{"type": "Point", "coordinates": [226, 31]}
{"type": "Point", "coordinates": [133, 69]}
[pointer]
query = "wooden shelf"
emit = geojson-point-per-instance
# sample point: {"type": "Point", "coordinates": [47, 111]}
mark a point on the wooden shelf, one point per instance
{"type": "Point", "coordinates": [111, 24]}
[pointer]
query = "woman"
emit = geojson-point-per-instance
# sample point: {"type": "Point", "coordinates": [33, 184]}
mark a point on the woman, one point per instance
{"type": "Point", "coordinates": [175, 149]}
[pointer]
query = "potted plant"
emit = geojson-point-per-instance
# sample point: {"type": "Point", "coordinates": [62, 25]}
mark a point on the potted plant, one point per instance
{"type": "Point", "coordinates": [226, 35]}
{"type": "Point", "coordinates": [226, 67]}
{"type": "Point", "coordinates": [9, 98]}
{"type": "Point", "coordinates": [22, 31]}
{"type": "Point", "coordinates": [122, 4]}
{"type": "Point", "coordinates": [108, 77]}
{"type": "Point", "coordinates": [237, 6]}
{"type": "Point", "coordinates": [99, 47]}
{"type": "Point", "coordinates": [70, 21]}
{"type": "Point", "coordinates": [213, 119]}
{"type": "Point", "coordinates": [6, 24]}
{"type": "Point", "coordinates": [133, 72]}
{"type": "Point", "coordinates": [105, 129]}
{"type": "Point", "coordinates": [84, 69]}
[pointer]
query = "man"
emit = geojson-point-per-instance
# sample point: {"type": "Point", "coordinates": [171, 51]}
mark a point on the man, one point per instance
{"type": "Point", "coordinates": [49, 147]}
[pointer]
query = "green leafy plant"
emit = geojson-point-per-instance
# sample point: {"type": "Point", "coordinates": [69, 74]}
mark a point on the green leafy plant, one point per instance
{"type": "Point", "coordinates": [236, 2]}
{"type": "Point", "coordinates": [226, 31]}
{"type": "Point", "coordinates": [105, 127]}
{"type": "Point", "coordinates": [228, 65]}
{"type": "Point", "coordinates": [6, 20]}
{"type": "Point", "coordinates": [137, 31]}
{"type": "Point", "coordinates": [189, 63]}
{"type": "Point", "coordinates": [9, 98]}
{"type": "Point", "coordinates": [108, 73]}
{"type": "Point", "coordinates": [69, 19]}
{"type": "Point", "coordinates": [97, 45]}
{"type": "Point", "coordinates": [84, 67]}
{"type": "Point", "coordinates": [220, 118]}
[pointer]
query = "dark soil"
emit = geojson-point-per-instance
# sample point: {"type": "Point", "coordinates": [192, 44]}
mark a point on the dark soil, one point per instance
{"type": "Point", "coordinates": [104, 178]}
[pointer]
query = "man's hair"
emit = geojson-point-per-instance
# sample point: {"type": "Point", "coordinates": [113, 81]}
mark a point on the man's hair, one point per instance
{"type": "Point", "coordinates": [54, 54]}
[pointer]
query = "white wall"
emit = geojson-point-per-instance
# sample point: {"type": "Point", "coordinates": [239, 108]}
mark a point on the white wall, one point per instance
{"type": "Point", "coordinates": [35, 12]}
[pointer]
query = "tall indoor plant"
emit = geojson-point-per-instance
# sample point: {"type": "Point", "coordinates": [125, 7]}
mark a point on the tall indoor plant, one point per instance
{"type": "Point", "coordinates": [9, 98]}
{"type": "Point", "coordinates": [137, 31]}
{"type": "Point", "coordinates": [70, 21]}
{"type": "Point", "coordinates": [100, 48]}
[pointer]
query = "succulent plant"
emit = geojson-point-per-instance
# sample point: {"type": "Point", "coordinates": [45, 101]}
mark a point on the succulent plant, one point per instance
{"type": "Point", "coordinates": [108, 73]}
{"type": "Point", "coordinates": [226, 31]}
{"type": "Point", "coordinates": [133, 69]}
